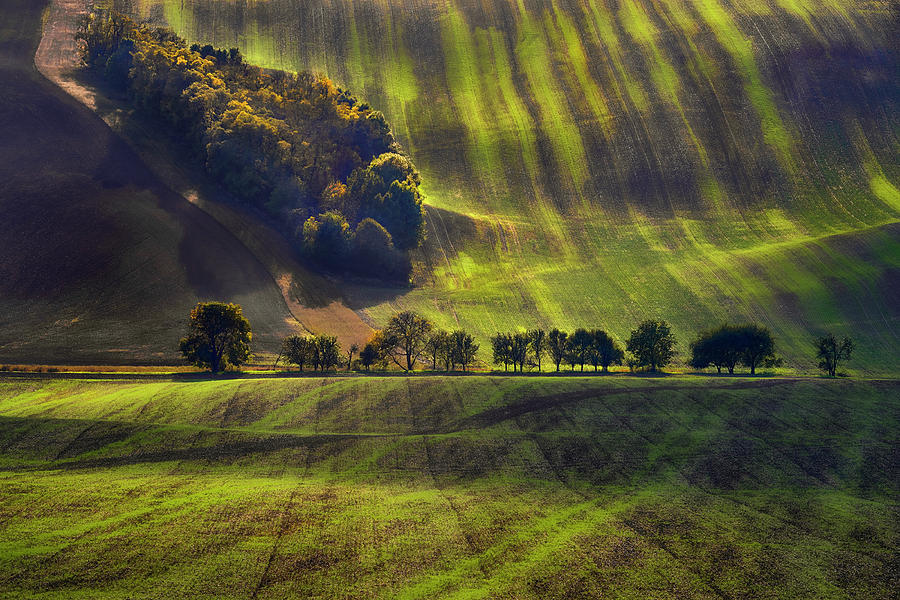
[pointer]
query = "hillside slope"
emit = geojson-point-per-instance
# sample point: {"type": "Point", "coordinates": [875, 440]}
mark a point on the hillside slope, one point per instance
{"type": "Point", "coordinates": [594, 162]}
{"type": "Point", "coordinates": [100, 259]}
{"type": "Point", "coordinates": [449, 487]}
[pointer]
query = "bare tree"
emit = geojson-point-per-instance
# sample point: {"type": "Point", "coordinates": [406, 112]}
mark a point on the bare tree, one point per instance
{"type": "Point", "coordinates": [407, 333]}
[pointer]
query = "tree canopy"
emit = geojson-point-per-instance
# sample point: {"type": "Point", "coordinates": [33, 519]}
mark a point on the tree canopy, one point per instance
{"type": "Point", "coordinates": [405, 337]}
{"type": "Point", "coordinates": [757, 344]}
{"type": "Point", "coordinates": [830, 351]}
{"type": "Point", "coordinates": [218, 336]}
{"type": "Point", "coordinates": [652, 344]}
{"type": "Point", "coordinates": [293, 144]}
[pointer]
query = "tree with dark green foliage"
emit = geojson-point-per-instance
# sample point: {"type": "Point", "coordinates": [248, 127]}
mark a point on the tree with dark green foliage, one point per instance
{"type": "Point", "coordinates": [722, 347]}
{"type": "Point", "coordinates": [449, 353]}
{"type": "Point", "coordinates": [511, 348]}
{"type": "Point", "coordinates": [604, 350]}
{"type": "Point", "coordinates": [326, 238]}
{"type": "Point", "coordinates": [434, 347]}
{"type": "Point", "coordinates": [400, 210]}
{"type": "Point", "coordinates": [519, 350]}
{"type": "Point", "coordinates": [465, 348]}
{"type": "Point", "coordinates": [757, 346]}
{"type": "Point", "coordinates": [557, 346]}
{"type": "Point", "coordinates": [218, 336]}
{"type": "Point", "coordinates": [407, 333]}
{"type": "Point", "coordinates": [580, 344]}
{"type": "Point", "coordinates": [501, 345]}
{"type": "Point", "coordinates": [101, 35]}
{"type": "Point", "coordinates": [571, 357]}
{"type": "Point", "coordinates": [297, 350]}
{"type": "Point", "coordinates": [328, 351]}
{"type": "Point", "coordinates": [387, 190]}
{"type": "Point", "coordinates": [369, 355]}
{"type": "Point", "coordinates": [373, 252]}
{"type": "Point", "coordinates": [537, 340]}
{"type": "Point", "coordinates": [831, 352]}
{"type": "Point", "coordinates": [652, 344]}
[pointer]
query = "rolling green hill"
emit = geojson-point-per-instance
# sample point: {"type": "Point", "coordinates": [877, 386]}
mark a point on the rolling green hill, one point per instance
{"type": "Point", "coordinates": [450, 487]}
{"type": "Point", "coordinates": [591, 162]}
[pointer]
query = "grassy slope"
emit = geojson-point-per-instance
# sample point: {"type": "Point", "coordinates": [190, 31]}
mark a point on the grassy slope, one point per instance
{"type": "Point", "coordinates": [463, 487]}
{"type": "Point", "coordinates": [593, 163]}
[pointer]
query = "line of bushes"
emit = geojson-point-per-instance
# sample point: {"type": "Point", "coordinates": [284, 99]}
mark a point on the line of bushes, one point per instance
{"type": "Point", "coordinates": [291, 144]}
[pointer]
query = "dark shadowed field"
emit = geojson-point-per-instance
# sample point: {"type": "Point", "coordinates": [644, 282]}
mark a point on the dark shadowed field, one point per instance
{"type": "Point", "coordinates": [101, 259]}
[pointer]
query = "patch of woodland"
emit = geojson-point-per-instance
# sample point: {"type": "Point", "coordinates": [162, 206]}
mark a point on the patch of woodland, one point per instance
{"type": "Point", "coordinates": [294, 145]}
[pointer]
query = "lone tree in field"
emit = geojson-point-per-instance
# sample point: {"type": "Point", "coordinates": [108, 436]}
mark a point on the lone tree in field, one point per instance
{"type": "Point", "coordinates": [831, 352]}
{"type": "Point", "coordinates": [652, 344]}
{"type": "Point", "coordinates": [219, 336]}
{"type": "Point", "coordinates": [407, 333]}
{"type": "Point", "coordinates": [757, 344]}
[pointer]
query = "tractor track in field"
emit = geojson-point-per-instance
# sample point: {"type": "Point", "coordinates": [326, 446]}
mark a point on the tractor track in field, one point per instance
{"type": "Point", "coordinates": [433, 474]}
{"type": "Point", "coordinates": [73, 441]}
{"type": "Point", "coordinates": [228, 450]}
{"type": "Point", "coordinates": [470, 543]}
{"type": "Point", "coordinates": [654, 539]}
{"type": "Point", "coordinates": [282, 529]}
{"type": "Point", "coordinates": [629, 524]}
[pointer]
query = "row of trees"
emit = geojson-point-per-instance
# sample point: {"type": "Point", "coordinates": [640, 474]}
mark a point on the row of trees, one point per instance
{"type": "Point", "coordinates": [652, 346]}
{"type": "Point", "coordinates": [407, 340]}
{"type": "Point", "coordinates": [410, 339]}
{"type": "Point", "coordinates": [220, 336]}
{"type": "Point", "coordinates": [292, 144]}
{"type": "Point", "coordinates": [318, 351]}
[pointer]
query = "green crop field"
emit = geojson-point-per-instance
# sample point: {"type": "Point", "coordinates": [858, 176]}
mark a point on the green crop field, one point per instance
{"type": "Point", "coordinates": [590, 162]}
{"type": "Point", "coordinates": [586, 163]}
{"type": "Point", "coordinates": [451, 487]}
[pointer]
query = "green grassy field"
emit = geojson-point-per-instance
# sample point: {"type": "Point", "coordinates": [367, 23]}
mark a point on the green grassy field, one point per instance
{"type": "Point", "coordinates": [452, 487]}
{"type": "Point", "coordinates": [593, 163]}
